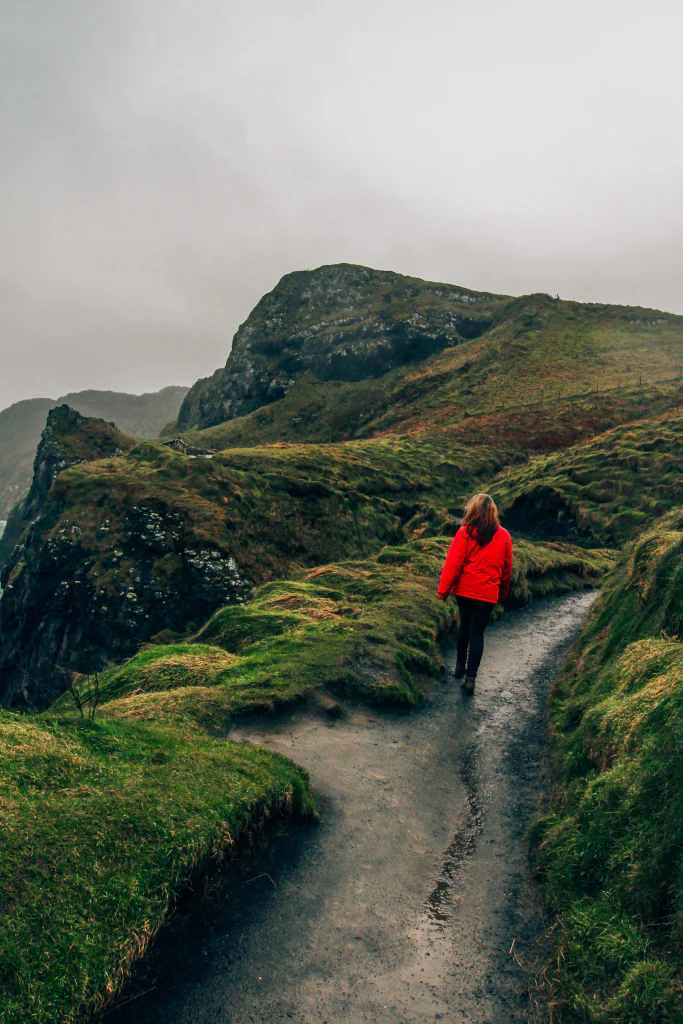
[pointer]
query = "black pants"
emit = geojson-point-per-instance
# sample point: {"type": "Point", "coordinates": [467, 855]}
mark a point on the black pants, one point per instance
{"type": "Point", "coordinates": [474, 617]}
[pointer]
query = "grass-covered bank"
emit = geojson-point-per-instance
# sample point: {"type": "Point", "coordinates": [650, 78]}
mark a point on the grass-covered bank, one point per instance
{"type": "Point", "coordinates": [157, 540]}
{"type": "Point", "coordinates": [102, 825]}
{"type": "Point", "coordinates": [610, 487]}
{"type": "Point", "coordinates": [366, 627]}
{"type": "Point", "coordinates": [611, 847]}
{"type": "Point", "coordinates": [104, 821]}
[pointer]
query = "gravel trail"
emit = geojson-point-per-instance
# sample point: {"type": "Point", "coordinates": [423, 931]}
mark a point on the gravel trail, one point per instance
{"type": "Point", "coordinates": [404, 904]}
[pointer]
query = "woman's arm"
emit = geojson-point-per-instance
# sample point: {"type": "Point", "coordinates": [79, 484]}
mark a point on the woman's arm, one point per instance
{"type": "Point", "coordinates": [454, 564]}
{"type": "Point", "coordinates": [507, 571]}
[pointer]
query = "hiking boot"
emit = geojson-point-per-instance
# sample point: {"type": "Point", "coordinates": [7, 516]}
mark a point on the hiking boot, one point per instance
{"type": "Point", "coordinates": [459, 670]}
{"type": "Point", "coordinates": [468, 685]}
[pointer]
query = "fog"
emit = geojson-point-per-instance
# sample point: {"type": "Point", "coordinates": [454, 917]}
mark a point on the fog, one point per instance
{"type": "Point", "coordinates": [164, 162]}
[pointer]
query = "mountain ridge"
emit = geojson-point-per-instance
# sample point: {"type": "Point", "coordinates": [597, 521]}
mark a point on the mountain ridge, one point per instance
{"type": "Point", "coordinates": [433, 354]}
{"type": "Point", "coordinates": [339, 322]}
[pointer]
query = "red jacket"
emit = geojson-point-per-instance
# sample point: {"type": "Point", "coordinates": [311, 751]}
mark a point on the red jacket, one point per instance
{"type": "Point", "coordinates": [475, 570]}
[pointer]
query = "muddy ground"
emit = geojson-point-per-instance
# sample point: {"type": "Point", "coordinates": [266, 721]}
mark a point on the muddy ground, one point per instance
{"type": "Point", "coordinates": [412, 900]}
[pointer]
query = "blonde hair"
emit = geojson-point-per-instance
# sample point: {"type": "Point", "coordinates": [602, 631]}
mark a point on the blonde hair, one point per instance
{"type": "Point", "coordinates": [481, 517]}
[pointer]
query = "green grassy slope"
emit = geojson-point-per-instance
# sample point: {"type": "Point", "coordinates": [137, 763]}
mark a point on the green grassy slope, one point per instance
{"type": "Point", "coordinates": [103, 824]}
{"type": "Point", "coordinates": [104, 821]}
{"type": "Point", "coordinates": [158, 539]}
{"type": "Point", "coordinates": [610, 847]}
{"type": "Point", "coordinates": [610, 487]}
{"type": "Point", "coordinates": [370, 628]}
{"type": "Point", "coordinates": [272, 507]}
{"type": "Point", "coordinates": [336, 504]}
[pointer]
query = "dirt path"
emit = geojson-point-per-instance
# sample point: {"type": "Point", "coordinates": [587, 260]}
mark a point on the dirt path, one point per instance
{"type": "Point", "coordinates": [404, 904]}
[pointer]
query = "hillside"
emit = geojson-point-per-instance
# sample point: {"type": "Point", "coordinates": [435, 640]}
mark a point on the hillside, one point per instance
{"type": "Point", "coordinates": [284, 539]}
{"type": "Point", "coordinates": [155, 537]}
{"type": "Point", "coordinates": [338, 323]}
{"type": "Point", "coordinates": [344, 352]}
{"type": "Point", "coordinates": [21, 425]}
{"type": "Point", "coordinates": [604, 490]}
{"type": "Point", "coordinates": [150, 539]}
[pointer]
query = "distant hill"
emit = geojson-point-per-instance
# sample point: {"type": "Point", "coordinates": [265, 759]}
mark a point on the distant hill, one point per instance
{"type": "Point", "coordinates": [346, 352]}
{"type": "Point", "coordinates": [21, 425]}
{"type": "Point", "coordinates": [341, 324]}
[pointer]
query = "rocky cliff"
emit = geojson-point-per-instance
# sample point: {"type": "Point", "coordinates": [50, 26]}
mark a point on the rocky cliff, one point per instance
{"type": "Point", "coordinates": [21, 425]}
{"type": "Point", "coordinates": [68, 438]}
{"type": "Point", "coordinates": [144, 541]}
{"type": "Point", "coordinates": [28, 575]}
{"type": "Point", "coordinates": [345, 352]}
{"type": "Point", "coordinates": [336, 323]}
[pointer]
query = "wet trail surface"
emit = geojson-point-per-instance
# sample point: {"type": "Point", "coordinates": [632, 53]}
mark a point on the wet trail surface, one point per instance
{"type": "Point", "coordinates": [404, 904]}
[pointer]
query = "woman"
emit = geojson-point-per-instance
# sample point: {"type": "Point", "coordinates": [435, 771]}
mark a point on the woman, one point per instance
{"type": "Point", "coordinates": [477, 570]}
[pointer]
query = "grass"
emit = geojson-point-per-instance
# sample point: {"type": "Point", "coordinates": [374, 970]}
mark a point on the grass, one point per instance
{"type": "Point", "coordinates": [105, 822]}
{"type": "Point", "coordinates": [103, 825]}
{"type": "Point", "coordinates": [558, 422]}
{"type": "Point", "coordinates": [369, 628]}
{"type": "Point", "coordinates": [272, 508]}
{"type": "Point", "coordinates": [157, 540]}
{"type": "Point", "coordinates": [608, 488]}
{"type": "Point", "coordinates": [341, 522]}
{"type": "Point", "coordinates": [610, 847]}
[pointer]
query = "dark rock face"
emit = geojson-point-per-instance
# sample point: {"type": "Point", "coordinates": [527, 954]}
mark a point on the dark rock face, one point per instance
{"type": "Point", "coordinates": [12, 533]}
{"type": "Point", "coordinates": [56, 615]}
{"type": "Point", "coordinates": [54, 618]}
{"type": "Point", "coordinates": [68, 438]}
{"type": "Point", "coordinates": [543, 514]}
{"type": "Point", "coordinates": [339, 322]}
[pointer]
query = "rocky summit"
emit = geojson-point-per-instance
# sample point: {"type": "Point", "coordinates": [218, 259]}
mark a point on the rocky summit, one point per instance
{"type": "Point", "coordinates": [336, 323]}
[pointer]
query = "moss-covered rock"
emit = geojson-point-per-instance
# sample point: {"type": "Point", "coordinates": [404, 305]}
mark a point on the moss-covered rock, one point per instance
{"type": "Point", "coordinates": [157, 539]}
{"type": "Point", "coordinates": [22, 423]}
{"type": "Point", "coordinates": [68, 439]}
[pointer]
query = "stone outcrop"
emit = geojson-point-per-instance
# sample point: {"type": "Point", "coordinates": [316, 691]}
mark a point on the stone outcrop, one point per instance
{"type": "Point", "coordinates": [342, 323]}
{"type": "Point", "coordinates": [80, 590]}
{"type": "Point", "coordinates": [68, 438]}
{"type": "Point", "coordinates": [21, 426]}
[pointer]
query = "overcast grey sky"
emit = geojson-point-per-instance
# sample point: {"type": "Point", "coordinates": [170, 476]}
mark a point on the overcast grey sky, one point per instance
{"type": "Point", "coordinates": [164, 162]}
